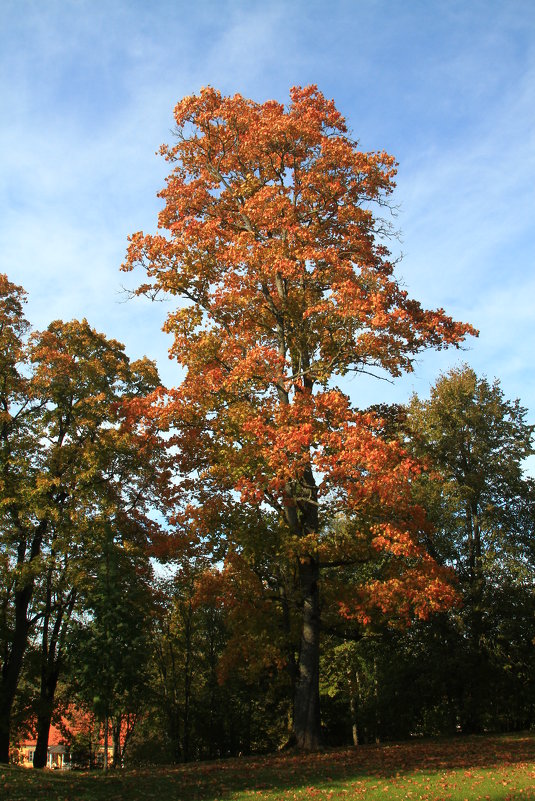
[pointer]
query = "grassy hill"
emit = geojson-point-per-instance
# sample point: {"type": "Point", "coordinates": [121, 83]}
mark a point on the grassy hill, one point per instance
{"type": "Point", "coordinates": [496, 768]}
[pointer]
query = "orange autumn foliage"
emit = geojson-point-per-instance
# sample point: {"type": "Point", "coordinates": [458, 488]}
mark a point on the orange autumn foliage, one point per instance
{"type": "Point", "coordinates": [272, 239]}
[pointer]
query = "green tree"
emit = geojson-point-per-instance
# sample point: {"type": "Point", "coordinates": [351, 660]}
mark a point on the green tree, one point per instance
{"type": "Point", "coordinates": [110, 648]}
{"type": "Point", "coordinates": [178, 663]}
{"type": "Point", "coordinates": [71, 455]}
{"type": "Point", "coordinates": [483, 510]}
{"type": "Point", "coordinates": [22, 533]}
{"type": "Point", "coordinates": [214, 690]}
{"type": "Point", "coordinates": [100, 467]}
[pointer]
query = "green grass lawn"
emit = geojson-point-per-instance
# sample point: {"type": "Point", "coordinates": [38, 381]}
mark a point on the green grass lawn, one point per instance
{"type": "Point", "coordinates": [495, 768]}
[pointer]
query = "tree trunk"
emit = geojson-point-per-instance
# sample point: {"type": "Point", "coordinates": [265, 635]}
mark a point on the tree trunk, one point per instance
{"type": "Point", "coordinates": [353, 686]}
{"type": "Point", "coordinates": [50, 668]}
{"type": "Point", "coordinates": [7, 696]}
{"type": "Point", "coordinates": [307, 722]}
{"type": "Point", "coordinates": [5, 722]}
{"type": "Point", "coordinates": [41, 748]}
{"type": "Point", "coordinates": [117, 758]}
{"type": "Point", "coordinates": [106, 742]}
{"type": "Point", "coordinates": [376, 709]}
{"type": "Point", "coordinates": [187, 679]}
{"type": "Point", "coordinates": [12, 667]}
{"type": "Point", "coordinates": [8, 689]}
{"type": "Point", "coordinates": [44, 718]}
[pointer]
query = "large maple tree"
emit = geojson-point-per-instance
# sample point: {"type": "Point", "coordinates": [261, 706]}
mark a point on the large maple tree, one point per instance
{"type": "Point", "coordinates": [273, 237]}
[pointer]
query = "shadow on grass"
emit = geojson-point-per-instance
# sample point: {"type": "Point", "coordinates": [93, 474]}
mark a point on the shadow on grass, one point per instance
{"type": "Point", "coordinates": [276, 775]}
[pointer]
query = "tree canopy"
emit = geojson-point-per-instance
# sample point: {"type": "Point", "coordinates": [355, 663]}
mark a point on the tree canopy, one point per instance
{"type": "Point", "coordinates": [272, 242]}
{"type": "Point", "coordinates": [482, 508]}
{"type": "Point", "coordinates": [72, 459]}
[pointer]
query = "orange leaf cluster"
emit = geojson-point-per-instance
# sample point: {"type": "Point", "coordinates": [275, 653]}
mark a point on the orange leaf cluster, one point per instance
{"type": "Point", "coordinates": [271, 238]}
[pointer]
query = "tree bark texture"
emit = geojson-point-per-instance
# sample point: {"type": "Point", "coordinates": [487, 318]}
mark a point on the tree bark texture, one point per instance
{"type": "Point", "coordinates": [44, 718]}
{"type": "Point", "coordinates": [307, 722]}
{"type": "Point", "coordinates": [12, 667]}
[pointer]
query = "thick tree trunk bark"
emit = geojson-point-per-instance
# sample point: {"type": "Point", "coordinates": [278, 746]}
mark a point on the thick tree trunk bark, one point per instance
{"type": "Point", "coordinates": [8, 689]}
{"type": "Point", "coordinates": [116, 742]}
{"type": "Point", "coordinates": [51, 652]}
{"type": "Point", "coordinates": [7, 696]}
{"type": "Point", "coordinates": [307, 722]}
{"type": "Point", "coordinates": [41, 748]}
{"type": "Point", "coordinates": [44, 719]}
{"type": "Point", "coordinates": [12, 667]}
{"type": "Point", "coordinates": [4, 736]}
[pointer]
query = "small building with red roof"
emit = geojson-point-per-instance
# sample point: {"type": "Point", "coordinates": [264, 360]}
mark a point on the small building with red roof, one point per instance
{"type": "Point", "coordinates": [56, 755]}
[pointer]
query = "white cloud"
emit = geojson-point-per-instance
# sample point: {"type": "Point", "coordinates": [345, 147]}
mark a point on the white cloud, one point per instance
{"type": "Point", "coordinates": [90, 90]}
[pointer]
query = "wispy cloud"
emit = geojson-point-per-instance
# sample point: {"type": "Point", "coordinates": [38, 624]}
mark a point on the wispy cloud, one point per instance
{"type": "Point", "coordinates": [89, 90]}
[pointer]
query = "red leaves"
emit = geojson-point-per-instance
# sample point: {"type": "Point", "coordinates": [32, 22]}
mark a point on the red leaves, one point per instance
{"type": "Point", "coordinates": [260, 191]}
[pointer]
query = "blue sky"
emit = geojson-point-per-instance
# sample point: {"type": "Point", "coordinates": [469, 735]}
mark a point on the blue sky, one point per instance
{"type": "Point", "coordinates": [88, 88]}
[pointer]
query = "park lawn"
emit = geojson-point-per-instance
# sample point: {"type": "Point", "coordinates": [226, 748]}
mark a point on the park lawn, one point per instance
{"type": "Point", "coordinates": [496, 768]}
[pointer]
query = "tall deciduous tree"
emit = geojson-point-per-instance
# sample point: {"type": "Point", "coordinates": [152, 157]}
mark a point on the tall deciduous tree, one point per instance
{"type": "Point", "coordinates": [102, 470]}
{"type": "Point", "coordinates": [483, 512]}
{"type": "Point", "coordinates": [187, 643]}
{"type": "Point", "coordinates": [270, 239]}
{"type": "Point", "coordinates": [22, 535]}
{"type": "Point", "coordinates": [110, 647]}
{"type": "Point", "coordinates": [71, 457]}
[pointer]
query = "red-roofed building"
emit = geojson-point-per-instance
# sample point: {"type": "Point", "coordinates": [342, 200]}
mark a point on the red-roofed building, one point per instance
{"type": "Point", "coordinates": [61, 739]}
{"type": "Point", "coordinates": [57, 751]}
